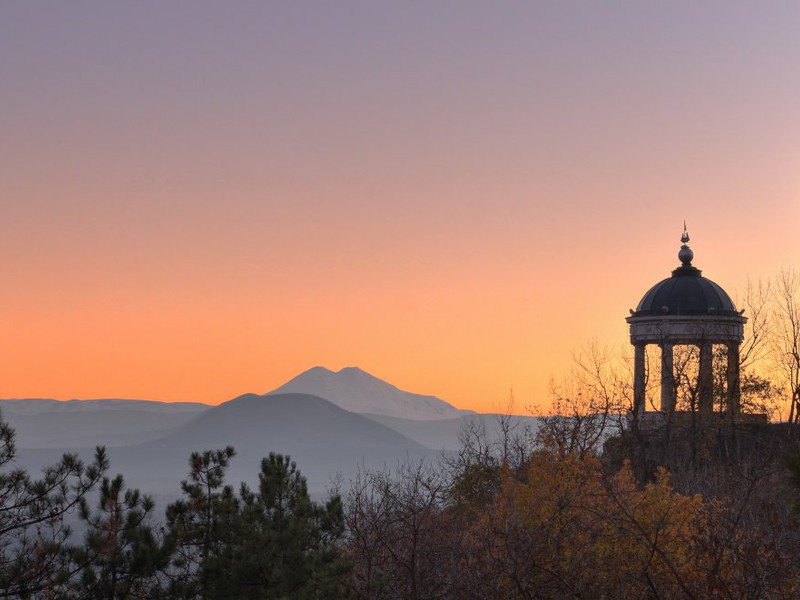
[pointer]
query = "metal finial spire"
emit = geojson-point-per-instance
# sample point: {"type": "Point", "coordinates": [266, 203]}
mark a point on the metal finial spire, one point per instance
{"type": "Point", "coordinates": [685, 255]}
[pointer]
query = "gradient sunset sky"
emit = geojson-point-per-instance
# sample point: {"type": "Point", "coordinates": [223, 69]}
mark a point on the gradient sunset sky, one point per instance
{"type": "Point", "coordinates": [202, 199]}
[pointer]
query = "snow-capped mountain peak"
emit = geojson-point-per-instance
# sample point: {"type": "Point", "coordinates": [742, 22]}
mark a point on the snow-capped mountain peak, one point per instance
{"type": "Point", "coordinates": [358, 391]}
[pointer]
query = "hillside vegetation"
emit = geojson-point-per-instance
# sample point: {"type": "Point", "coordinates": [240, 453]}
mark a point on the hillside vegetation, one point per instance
{"type": "Point", "coordinates": [530, 515]}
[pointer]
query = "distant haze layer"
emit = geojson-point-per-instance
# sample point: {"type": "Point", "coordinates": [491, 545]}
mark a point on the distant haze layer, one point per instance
{"type": "Point", "coordinates": [150, 442]}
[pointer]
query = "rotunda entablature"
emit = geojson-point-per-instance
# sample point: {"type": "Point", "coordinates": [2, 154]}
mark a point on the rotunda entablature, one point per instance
{"type": "Point", "coordinates": [695, 329]}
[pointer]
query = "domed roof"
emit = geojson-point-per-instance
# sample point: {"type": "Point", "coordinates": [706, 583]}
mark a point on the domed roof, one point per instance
{"type": "Point", "coordinates": [687, 292]}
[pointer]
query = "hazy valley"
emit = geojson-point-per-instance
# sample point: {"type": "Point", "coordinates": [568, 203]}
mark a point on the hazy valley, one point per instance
{"type": "Point", "coordinates": [331, 423]}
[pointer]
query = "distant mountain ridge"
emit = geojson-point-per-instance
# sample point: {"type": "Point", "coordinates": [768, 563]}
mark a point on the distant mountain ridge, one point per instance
{"type": "Point", "coordinates": [47, 423]}
{"type": "Point", "coordinates": [449, 434]}
{"type": "Point", "coordinates": [29, 406]}
{"type": "Point", "coordinates": [359, 392]}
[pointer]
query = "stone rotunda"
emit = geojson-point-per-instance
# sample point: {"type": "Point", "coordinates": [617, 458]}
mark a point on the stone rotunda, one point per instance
{"type": "Point", "coordinates": [687, 309]}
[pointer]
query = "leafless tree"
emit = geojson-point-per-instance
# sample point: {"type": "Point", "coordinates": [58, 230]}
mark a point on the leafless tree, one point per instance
{"type": "Point", "coordinates": [785, 338]}
{"type": "Point", "coordinates": [395, 545]}
{"type": "Point", "coordinates": [593, 400]}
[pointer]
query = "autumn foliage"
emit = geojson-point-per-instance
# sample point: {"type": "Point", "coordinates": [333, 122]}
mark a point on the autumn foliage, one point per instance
{"type": "Point", "coordinates": [562, 526]}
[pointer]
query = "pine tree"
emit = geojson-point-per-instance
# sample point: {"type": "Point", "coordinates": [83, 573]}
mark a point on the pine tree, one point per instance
{"type": "Point", "coordinates": [273, 542]}
{"type": "Point", "coordinates": [200, 527]}
{"type": "Point", "coordinates": [121, 554]}
{"type": "Point", "coordinates": [287, 544]}
{"type": "Point", "coordinates": [34, 557]}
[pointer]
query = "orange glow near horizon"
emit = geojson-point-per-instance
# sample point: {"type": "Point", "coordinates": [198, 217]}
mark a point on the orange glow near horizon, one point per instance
{"type": "Point", "coordinates": [452, 202]}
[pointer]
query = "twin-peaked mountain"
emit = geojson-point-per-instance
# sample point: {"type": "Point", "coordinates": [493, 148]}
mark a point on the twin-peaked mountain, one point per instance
{"type": "Point", "coordinates": [357, 391]}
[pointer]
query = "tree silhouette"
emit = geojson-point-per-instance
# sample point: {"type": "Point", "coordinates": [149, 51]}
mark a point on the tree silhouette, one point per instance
{"type": "Point", "coordinates": [33, 531]}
